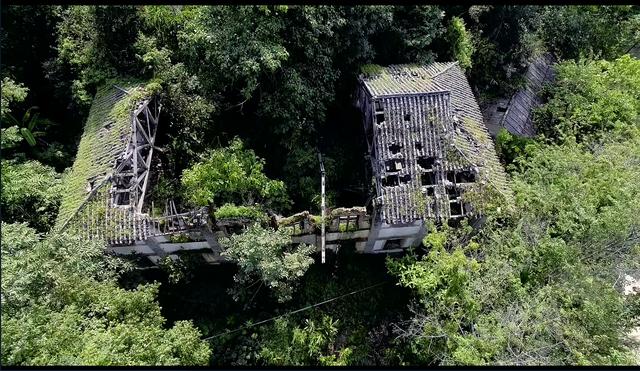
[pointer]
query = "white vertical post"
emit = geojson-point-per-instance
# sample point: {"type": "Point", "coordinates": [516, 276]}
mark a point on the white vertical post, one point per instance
{"type": "Point", "coordinates": [322, 210]}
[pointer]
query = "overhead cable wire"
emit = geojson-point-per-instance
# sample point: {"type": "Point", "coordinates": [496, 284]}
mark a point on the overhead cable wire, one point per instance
{"type": "Point", "coordinates": [295, 311]}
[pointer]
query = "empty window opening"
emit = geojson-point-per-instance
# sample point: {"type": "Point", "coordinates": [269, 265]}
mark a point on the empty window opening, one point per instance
{"type": "Point", "coordinates": [378, 105]}
{"type": "Point", "coordinates": [451, 176]}
{"type": "Point", "coordinates": [394, 165]}
{"type": "Point", "coordinates": [407, 117]}
{"type": "Point", "coordinates": [427, 179]}
{"type": "Point", "coordinates": [392, 244]}
{"type": "Point", "coordinates": [405, 178]}
{"type": "Point", "coordinates": [456, 208]}
{"type": "Point", "coordinates": [122, 199]}
{"type": "Point", "coordinates": [379, 118]}
{"type": "Point", "coordinates": [453, 193]}
{"type": "Point", "coordinates": [395, 148]}
{"type": "Point", "coordinates": [501, 108]}
{"type": "Point", "coordinates": [426, 162]}
{"type": "Point", "coordinates": [431, 191]}
{"type": "Point", "coordinates": [418, 146]}
{"type": "Point", "coordinates": [390, 181]}
{"type": "Point", "coordinates": [465, 177]}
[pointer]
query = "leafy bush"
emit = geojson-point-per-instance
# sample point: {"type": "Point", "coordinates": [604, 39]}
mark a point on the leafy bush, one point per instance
{"type": "Point", "coordinates": [31, 192]}
{"type": "Point", "coordinates": [233, 211]}
{"type": "Point", "coordinates": [591, 99]}
{"type": "Point", "coordinates": [285, 344]}
{"type": "Point", "coordinates": [11, 92]}
{"type": "Point", "coordinates": [510, 146]}
{"type": "Point", "coordinates": [232, 174]}
{"type": "Point", "coordinates": [62, 306]}
{"type": "Point", "coordinates": [461, 42]}
{"type": "Point", "coordinates": [266, 256]}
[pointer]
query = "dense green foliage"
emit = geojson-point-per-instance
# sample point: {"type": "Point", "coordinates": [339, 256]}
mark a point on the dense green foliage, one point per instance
{"type": "Point", "coordinates": [61, 305]}
{"type": "Point", "coordinates": [227, 211]}
{"type": "Point", "coordinates": [461, 42]}
{"type": "Point", "coordinates": [591, 99]}
{"type": "Point", "coordinates": [250, 95]}
{"type": "Point", "coordinates": [265, 256]}
{"type": "Point", "coordinates": [232, 173]}
{"type": "Point", "coordinates": [535, 289]}
{"type": "Point", "coordinates": [590, 31]}
{"type": "Point", "coordinates": [31, 192]}
{"type": "Point", "coordinates": [11, 92]}
{"type": "Point", "coordinates": [290, 345]}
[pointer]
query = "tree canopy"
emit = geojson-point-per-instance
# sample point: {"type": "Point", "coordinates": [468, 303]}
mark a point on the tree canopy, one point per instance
{"type": "Point", "coordinates": [250, 96]}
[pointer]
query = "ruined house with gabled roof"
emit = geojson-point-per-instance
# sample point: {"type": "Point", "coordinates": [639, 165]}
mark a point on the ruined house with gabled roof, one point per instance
{"type": "Point", "coordinates": [428, 149]}
{"type": "Point", "coordinates": [428, 145]}
{"type": "Point", "coordinates": [104, 195]}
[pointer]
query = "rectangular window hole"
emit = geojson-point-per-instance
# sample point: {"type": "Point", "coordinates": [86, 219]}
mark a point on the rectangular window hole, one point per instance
{"type": "Point", "coordinates": [430, 191]}
{"type": "Point", "coordinates": [390, 181]}
{"type": "Point", "coordinates": [405, 178]}
{"type": "Point", "coordinates": [418, 146]}
{"type": "Point", "coordinates": [394, 165]}
{"type": "Point", "coordinates": [426, 162]}
{"type": "Point", "coordinates": [395, 148]}
{"type": "Point", "coordinates": [379, 118]}
{"type": "Point", "coordinates": [123, 200]}
{"type": "Point", "coordinates": [451, 176]}
{"type": "Point", "coordinates": [427, 179]}
{"type": "Point", "coordinates": [465, 177]}
{"type": "Point", "coordinates": [456, 208]}
{"type": "Point", "coordinates": [407, 117]}
{"type": "Point", "coordinates": [452, 193]}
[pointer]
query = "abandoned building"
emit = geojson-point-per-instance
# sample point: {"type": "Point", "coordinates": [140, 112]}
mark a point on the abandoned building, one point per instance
{"type": "Point", "coordinates": [428, 145]}
{"type": "Point", "coordinates": [515, 113]}
{"type": "Point", "coordinates": [428, 148]}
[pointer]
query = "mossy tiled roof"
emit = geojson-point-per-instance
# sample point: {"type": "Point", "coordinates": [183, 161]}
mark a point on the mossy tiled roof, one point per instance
{"type": "Point", "coordinates": [406, 79]}
{"type": "Point", "coordinates": [411, 89]}
{"type": "Point", "coordinates": [106, 135]}
{"type": "Point", "coordinates": [472, 137]}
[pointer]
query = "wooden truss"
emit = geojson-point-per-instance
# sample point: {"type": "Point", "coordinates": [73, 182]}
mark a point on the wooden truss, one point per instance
{"type": "Point", "coordinates": [130, 178]}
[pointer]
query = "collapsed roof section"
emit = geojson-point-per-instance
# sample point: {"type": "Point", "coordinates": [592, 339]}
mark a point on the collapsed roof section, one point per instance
{"type": "Point", "coordinates": [427, 142]}
{"type": "Point", "coordinates": [518, 117]}
{"type": "Point", "coordinates": [110, 172]}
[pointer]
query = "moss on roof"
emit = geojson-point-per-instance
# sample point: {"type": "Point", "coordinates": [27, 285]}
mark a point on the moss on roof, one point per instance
{"type": "Point", "coordinates": [404, 79]}
{"type": "Point", "coordinates": [473, 145]}
{"type": "Point", "coordinates": [105, 137]}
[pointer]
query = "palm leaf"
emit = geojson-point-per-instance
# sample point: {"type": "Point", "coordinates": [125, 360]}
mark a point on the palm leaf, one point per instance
{"type": "Point", "coordinates": [33, 121]}
{"type": "Point", "coordinates": [13, 120]}
{"type": "Point", "coordinates": [26, 133]}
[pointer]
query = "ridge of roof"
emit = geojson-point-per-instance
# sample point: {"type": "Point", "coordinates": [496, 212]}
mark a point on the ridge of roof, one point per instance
{"type": "Point", "coordinates": [406, 79]}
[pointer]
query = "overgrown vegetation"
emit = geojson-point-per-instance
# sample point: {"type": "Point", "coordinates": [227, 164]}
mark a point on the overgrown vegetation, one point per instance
{"type": "Point", "coordinates": [61, 304]}
{"type": "Point", "coordinates": [267, 257]}
{"type": "Point", "coordinates": [250, 95]}
{"type": "Point", "coordinates": [232, 173]}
